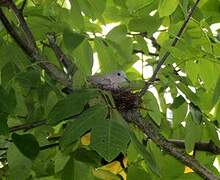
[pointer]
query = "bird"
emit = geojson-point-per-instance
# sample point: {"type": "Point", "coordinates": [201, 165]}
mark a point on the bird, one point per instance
{"type": "Point", "coordinates": [110, 81]}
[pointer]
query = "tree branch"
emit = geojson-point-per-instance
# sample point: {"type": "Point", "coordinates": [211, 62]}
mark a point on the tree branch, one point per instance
{"type": "Point", "coordinates": [27, 126]}
{"type": "Point", "coordinates": [61, 57]}
{"type": "Point", "coordinates": [47, 146]}
{"type": "Point", "coordinates": [43, 147]}
{"type": "Point", "coordinates": [166, 55]}
{"type": "Point", "coordinates": [28, 34]}
{"type": "Point", "coordinates": [200, 146]}
{"type": "Point", "coordinates": [34, 54]}
{"type": "Point", "coordinates": [150, 129]}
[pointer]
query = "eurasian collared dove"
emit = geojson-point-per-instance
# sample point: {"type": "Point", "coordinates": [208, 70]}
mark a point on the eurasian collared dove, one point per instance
{"type": "Point", "coordinates": [109, 81]}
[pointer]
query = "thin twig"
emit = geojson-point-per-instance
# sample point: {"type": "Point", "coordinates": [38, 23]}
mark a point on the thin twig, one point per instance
{"type": "Point", "coordinates": [140, 51]}
{"type": "Point", "coordinates": [43, 147]}
{"type": "Point", "coordinates": [166, 55]}
{"type": "Point", "coordinates": [27, 126]}
{"type": "Point", "coordinates": [47, 146]}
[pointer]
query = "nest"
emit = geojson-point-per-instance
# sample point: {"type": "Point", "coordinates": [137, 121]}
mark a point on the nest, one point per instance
{"type": "Point", "coordinates": [126, 100]}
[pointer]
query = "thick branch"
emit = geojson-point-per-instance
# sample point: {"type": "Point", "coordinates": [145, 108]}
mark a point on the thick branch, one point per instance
{"type": "Point", "coordinates": [200, 146]}
{"type": "Point", "coordinates": [150, 129]}
{"type": "Point", "coordinates": [166, 55]}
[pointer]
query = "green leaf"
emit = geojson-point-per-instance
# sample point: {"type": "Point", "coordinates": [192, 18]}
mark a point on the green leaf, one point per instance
{"type": "Point", "coordinates": [109, 139]}
{"type": "Point", "coordinates": [106, 56]}
{"type": "Point", "coordinates": [136, 5]}
{"type": "Point", "coordinates": [60, 161]}
{"type": "Point", "coordinates": [193, 133]}
{"type": "Point", "coordinates": [216, 93]}
{"type": "Point", "coordinates": [151, 103]}
{"type": "Point", "coordinates": [123, 49]}
{"type": "Point", "coordinates": [167, 171]}
{"type": "Point", "coordinates": [19, 165]}
{"type": "Point", "coordinates": [195, 113]}
{"type": "Point", "coordinates": [139, 24]}
{"type": "Point", "coordinates": [72, 39]}
{"type": "Point", "coordinates": [8, 72]}
{"type": "Point", "coordinates": [71, 105]}
{"type": "Point", "coordinates": [73, 170]}
{"type": "Point", "coordinates": [167, 7]}
{"type": "Point", "coordinates": [27, 145]}
{"type": "Point", "coordinates": [149, 159]}
{"type": "Point", "coordinates": [184, 88]}
{"type": "Point", "coordinates": [141, 44]}
{"type": "Point", "coordinates": [179, 108]}
{"type": "Point", "coordinates": [7, 100]}
{"type": "Point", "coordinates": [86, 121]}
{"type": "Point", "coordinates": [93, 8]}
{"type": "Point", "coordinates": [212, 131]}
{"type": "Point", "coordinates": [89, 157]}
{"type": "Point", "coordinates": [76, 14]}
{"type": "Point", "coordinates": [208, 72]}
{"type": "Point", "coordinates": [83, 56]}
{"type": "Point", "coordinates": [117, 34]}
{"type": "Point", "coordinates": [29, 79]}
{"type": "Point", "coordinates": [134, 172]}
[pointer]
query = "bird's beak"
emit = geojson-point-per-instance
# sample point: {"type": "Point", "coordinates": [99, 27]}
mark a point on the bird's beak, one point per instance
{"type": "Point", "coordinates": [127, 79]}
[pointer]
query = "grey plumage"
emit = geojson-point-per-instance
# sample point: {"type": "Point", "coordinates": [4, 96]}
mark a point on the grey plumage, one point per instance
{"type": "Point", "coordinates": [109, 81]}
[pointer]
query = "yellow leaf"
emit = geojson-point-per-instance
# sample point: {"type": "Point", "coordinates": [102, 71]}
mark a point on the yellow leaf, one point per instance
{"type": "Point", "coordinates": [187, 170]}
{"type": "Point", "coordinates": [114, 167]}
{"type": "Point", "coordinates": [105, 175]}
{"type": "Point", "coordinates": [86, 139]}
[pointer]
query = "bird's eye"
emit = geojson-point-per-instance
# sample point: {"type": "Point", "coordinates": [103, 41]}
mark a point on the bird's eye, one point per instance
{"type": "Point", "coordinates": [119, 74]}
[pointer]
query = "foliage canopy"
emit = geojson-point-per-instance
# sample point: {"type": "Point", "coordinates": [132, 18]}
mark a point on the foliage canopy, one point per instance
{"type": "Point", "coordinates": [47, 134]}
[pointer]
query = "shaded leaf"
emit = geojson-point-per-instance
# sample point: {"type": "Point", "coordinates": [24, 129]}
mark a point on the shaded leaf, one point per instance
{"type": "Point", "coordinates": [27, 144]}
{"type": "Point", "coordinates": [73, 170]}
{"type": "Point", "coordinates": [7, 100]}
{"type": "Point", "coordinates": [86, 121]}
{"type": "Point", "coordinates": [134, 172]}
{"type": "Point", "coordinates": [71, 105]}
{"type": "Point", "coordinates": [149, 159]}
{"type": "Point", "coordinates": [72, 39]}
